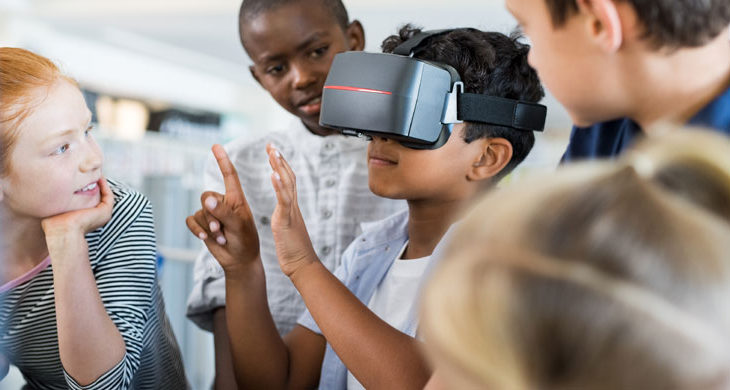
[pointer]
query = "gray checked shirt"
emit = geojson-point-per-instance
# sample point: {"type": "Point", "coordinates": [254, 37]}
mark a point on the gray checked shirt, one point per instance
{"type": "Point", "coordinates": [333, 194]}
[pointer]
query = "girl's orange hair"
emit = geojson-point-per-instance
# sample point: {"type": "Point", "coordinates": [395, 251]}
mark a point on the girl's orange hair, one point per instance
{"type": "Point", "coordinates": [21, 73]}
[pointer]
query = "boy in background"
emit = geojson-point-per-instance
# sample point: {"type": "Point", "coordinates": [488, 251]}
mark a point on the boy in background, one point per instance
{"type": "Point", "coordinates": [292, 44]}
{"type": "Point", "coordinates": [620, 67]}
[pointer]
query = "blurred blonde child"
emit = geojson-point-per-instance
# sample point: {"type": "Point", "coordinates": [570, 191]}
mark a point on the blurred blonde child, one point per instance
{"type": "Point", "coordinates": [606, 276]}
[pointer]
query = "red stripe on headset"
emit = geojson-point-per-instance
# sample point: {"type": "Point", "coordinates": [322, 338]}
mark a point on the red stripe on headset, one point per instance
{"type": "Point", "coordinates": [355, 89]}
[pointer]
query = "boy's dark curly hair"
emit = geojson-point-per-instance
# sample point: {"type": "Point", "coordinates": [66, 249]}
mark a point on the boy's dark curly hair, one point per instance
{"type": "Point", "coordinates": [489, 63]}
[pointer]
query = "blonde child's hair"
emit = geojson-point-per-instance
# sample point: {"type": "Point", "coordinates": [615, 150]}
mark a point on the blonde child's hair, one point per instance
{"type": "Point", "coordinates": [606, 275]}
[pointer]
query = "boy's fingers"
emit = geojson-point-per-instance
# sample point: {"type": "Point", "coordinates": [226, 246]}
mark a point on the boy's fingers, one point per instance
{"type": "Point", "coordinates": [282, 195]}
{"type": "Point", "coordinates": [285, 176]}
{"type": "Point", "coordinates": [195, 228]}
{"type": "Point", "coordinates": [219, 215]}
{"type": "Point", "coordinates": [210, 201]}
{"type": "Point", "coordinates": [290, 172]}
{"type": "Point", "coordinates": [230, 175]}
{"type": "Point", "coordinates": [200, 231]}
{"type": "Point", "coordinates": [287, 179]}
{"type": "Point", "coordinates": [282, 211]}
{"type": "Point", "coordinates": [215, 228]}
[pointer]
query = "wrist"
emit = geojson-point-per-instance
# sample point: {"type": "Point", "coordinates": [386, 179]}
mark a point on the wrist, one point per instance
{"type": "Point", "coordinates": [243, 271]}
{"type": "Point", "coordinates": [62, 232]}
{"type": "Point", "coordinates": [61, 239]}
{"type": "Point", "coordinates": [302, 272]}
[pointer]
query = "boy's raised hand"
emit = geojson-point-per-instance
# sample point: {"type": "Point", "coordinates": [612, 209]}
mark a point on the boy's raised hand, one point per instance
{"type": "Point", "coordinates": [225, 222]}
{"type": "Point", "coordinates": [293, 245]}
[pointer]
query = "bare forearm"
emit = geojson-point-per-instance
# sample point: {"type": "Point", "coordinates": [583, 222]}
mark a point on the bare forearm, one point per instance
{"type": "Point", "coordinates": [260, 356]}
{"type": "Point", "coordinates": [225, 378]}
{"type": "Point", "coordinates": [89, 342]}
{"type": "Point", "coordinates": [377, 354]}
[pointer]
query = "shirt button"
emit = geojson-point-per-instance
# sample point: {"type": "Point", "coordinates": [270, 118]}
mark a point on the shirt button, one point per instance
{"type": "Point", "coordinates": [329, 146]}
{"type": "Point", "coordinates": [330, 183]}
{"type": "Point", "coordinates": [265, 220]}
{"type": "Point", "coordinates": [327, 214]}
{"type": "Point", "coordinates": [326, 250]}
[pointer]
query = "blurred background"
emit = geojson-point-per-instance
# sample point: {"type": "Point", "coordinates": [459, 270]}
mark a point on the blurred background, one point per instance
{"type": "Point", "coordinates": [166, 79]}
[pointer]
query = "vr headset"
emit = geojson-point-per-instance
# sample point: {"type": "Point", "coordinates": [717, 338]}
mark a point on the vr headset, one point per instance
{"type": "Point", "coordinates": [413, 101]}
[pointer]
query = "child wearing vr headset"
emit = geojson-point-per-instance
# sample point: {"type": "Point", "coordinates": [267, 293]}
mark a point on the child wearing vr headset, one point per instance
{"type": "Point", "coordinates": [360, 327]}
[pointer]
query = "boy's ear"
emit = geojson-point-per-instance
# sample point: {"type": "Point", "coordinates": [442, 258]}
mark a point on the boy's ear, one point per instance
{"type": "Point", "coordinates": [495, 154]}
{"type": "Point", "coordinates": [604, 23]}
{"type": "Point", "coordinates": [252, 69]}
{"type": "Point", "coordinates": [355, 36]}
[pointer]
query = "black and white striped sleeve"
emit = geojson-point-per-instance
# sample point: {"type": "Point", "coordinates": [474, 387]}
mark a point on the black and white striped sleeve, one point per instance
{"type": "Point", "coordinates": [123, 259]}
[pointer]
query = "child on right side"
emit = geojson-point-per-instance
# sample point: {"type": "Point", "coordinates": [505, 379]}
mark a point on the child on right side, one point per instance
{"type": "Point", "coordinates": [610, 275]}
{"type": "Point", "coordinates": [360, 327]}
{"type": "Point", "coordinates": [621, 67]}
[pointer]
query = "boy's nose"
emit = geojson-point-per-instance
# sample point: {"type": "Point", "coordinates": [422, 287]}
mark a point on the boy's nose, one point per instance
{"type": "Point", "coordinates": [302, 77]}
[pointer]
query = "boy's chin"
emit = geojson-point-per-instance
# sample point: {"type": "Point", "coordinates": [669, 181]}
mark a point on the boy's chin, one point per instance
{"type": "Point", "coordinates": [311, 121]}
{"type": "Point", "coordinates": [384, 191]}
{"type": "Point", "coordinates": [582, 123]}
{"type": "Point", "coordinates": [580, 120]}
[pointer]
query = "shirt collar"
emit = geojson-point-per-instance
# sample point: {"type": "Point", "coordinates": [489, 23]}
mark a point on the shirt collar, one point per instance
{"type": "Point", "coordinates": [716, 114]}
{"type": "Point", "coordinates": [394, 227]}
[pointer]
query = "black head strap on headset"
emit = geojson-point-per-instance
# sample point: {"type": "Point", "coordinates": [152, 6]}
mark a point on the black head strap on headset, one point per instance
{"type": "Point", "coordinates": [474, 107]}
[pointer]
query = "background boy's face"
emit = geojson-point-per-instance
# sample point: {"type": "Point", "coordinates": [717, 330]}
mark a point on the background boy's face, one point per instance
{"type": "Point", "coordinates": [569, 63]}
{"type": "Point", "coordinates": [398, 172]}
{"type": "Point", "coordinates": [292, 48]}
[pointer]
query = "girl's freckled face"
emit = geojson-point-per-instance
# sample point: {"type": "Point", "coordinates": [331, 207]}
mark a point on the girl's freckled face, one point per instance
{"type": "Point", "coordinates": [55, 162]}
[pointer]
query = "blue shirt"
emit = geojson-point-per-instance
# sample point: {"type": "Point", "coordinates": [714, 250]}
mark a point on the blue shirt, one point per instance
{"type": "Point", "coordinates": [364, 265]}
{"type": "Point", "coordinates": [609, 139]}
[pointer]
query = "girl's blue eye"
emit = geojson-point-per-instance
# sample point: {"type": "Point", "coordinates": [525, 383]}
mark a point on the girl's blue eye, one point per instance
{"type": "Point", "coordinates": [61, 150]}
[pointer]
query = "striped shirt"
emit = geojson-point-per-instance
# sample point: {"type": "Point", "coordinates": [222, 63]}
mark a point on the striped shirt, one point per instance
{"type": "Point", "coordinates": [334, 198]}
{"type": "Point", "coordinates": [122, 255]}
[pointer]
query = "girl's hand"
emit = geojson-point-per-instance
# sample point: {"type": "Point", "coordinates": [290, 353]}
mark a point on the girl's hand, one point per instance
{"type": "Point", "coordinates": [80, 222]}
{"type": "Point", "coordinates": [225, 222]}
{"type": "Point", "coordinates": [293, 245]}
